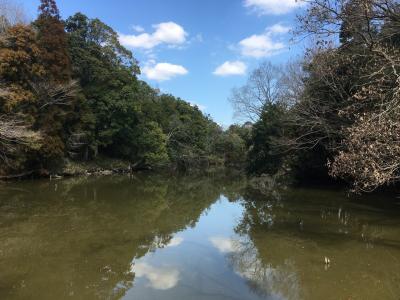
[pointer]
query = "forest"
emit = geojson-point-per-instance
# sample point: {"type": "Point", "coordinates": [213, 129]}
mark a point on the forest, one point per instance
{"type": "Point", "coordinates": [70, 92]}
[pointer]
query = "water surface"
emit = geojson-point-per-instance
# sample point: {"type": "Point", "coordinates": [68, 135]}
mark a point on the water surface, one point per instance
{"type": "Point", "coordinates": [163, 237]}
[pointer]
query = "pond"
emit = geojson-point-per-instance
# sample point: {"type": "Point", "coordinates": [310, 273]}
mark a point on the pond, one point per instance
{"type": "Point", "coordinates": [165, 237]}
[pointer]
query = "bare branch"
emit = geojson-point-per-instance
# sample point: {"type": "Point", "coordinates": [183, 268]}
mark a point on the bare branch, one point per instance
{"type": "Point", "coordinates": [263, 86]}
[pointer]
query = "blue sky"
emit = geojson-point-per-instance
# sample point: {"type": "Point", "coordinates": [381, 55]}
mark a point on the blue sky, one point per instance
{"type": "Point", "coordinates": [196, 49]}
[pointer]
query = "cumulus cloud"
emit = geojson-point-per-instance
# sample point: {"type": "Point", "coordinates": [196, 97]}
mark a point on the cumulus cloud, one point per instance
{"type": "Point", "coordinates": [265, 44]}
{"type": "Point", "coordinates": [168, 33]}
{"type": "Point", "coordinates": [160, 278]}
{"type": "Point", "coordinates": [231, 68]}
{"type": "Point", "coordinates": [163, 71]}
{"type": "Point", "coordinates": [260, 46]}
{"type": "Point", "coordinates": [273, 7]}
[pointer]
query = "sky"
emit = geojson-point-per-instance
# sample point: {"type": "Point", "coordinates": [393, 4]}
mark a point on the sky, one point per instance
{"type": "Point", "coordinates": [197, 50]}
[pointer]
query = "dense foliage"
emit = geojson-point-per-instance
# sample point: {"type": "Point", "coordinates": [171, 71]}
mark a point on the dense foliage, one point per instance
{"type": "Point", "coordinates": [69, 90]}
{"type": "Point", "coordinates": [337, 112]}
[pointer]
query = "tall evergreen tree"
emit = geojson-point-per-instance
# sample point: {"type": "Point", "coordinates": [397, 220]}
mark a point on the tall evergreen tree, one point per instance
{"type": "Point", "coordinates": [53, 41]}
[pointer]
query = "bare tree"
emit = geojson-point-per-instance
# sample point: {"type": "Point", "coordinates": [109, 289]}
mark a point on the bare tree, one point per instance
{"type": "Point", "coordinates": [322, 94]}
{"type": "Point", "coordinates": [51, 93]}
{"type": "Point", "coordinates": [292, 81]}
{"type": "Point", "coordinates": [11, 13]}
{"type": "Point", "coordinates": [363, 117]}
{"type": "Point", "coordinates": [263, 86]}
{"type": "Point", "coordinates": [15, 133]}
{"type": "Point", "coordinates": [353, 21]}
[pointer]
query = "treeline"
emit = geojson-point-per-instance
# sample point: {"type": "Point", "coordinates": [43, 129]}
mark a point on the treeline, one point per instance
{"type": "Point", "coordinates": [69, 91]}
{"type": "Point", "coordinates": [334, 114]}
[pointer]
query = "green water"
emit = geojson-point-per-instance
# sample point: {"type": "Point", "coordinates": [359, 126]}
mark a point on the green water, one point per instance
{"type": "Point", "coordinates": [160, 237]}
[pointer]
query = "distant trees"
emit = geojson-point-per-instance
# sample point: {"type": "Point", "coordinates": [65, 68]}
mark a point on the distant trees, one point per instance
{"type": "Point", "coordinates": [234, 144]}
{"type": "Point", "coordinates": [264, 87]}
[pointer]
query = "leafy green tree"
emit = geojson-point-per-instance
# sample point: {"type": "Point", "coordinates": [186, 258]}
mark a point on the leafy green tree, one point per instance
{"type": "Point", "coordinates": [264, 156]}
{"type": "Point", "coordinates": [106, 71]}
{"type": "Point", "coordinates": [232, 145]}
{"type": "Point", "coordinates": [151, 145]}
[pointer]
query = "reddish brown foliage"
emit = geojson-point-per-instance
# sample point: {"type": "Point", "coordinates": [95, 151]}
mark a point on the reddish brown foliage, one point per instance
{"type": "Point", "coordinates": [20, 63]}
{"type": "Point", "coordinates": [53, 42]}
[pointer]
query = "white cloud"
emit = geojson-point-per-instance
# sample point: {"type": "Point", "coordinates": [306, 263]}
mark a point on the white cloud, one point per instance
{"type": "Point", "coordinates": [263, 45]}
{"type": "Point", "coordinates": [231, 68]}
{"type": "Point", "coordinates": [163, 71]}
{"type": "Point", "coordinates": [176, 241]}
{"type": "Point", "coordinates": [260, 46]}
{"type": "Point", "coordinates": [278, 29]}
{"type": "Point", "coordinates": [168, 33]}
{"type": "Point", "coordinates": [162, 278]}
{"type": "Point", "coordinates": [143, 40]}
{"type": "Point", "coordinates": [273, 7]}
{"type": "Point", "coordinates": [138, 28]}
{"type": "Point", "coordinates": [223, 244]}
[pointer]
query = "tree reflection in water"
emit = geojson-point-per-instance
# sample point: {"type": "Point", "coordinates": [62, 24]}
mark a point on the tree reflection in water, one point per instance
{"type": "Point", "coordinates": [266, 279]}
{"type": "Point", "coordinates": [283, 241]}
{"type": "Point", "coordinates": [279, 282]}
{"type": "Point", "coordinates": [78, 237]}
{"type": "Point", "coordinates": [97, 238]}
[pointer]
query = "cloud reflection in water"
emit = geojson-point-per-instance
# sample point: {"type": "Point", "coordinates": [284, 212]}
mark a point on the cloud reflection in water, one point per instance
{"type": "Point", "coordinates": [160, 278]}
{"type": "Point", "coordinates": [176, 241]}
{"type": "Point", "coordinates": [223, 244]}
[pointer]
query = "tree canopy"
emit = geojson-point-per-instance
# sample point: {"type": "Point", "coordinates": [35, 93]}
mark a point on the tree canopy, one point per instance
{"type": "Point", "coordinates": [74, 86]}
